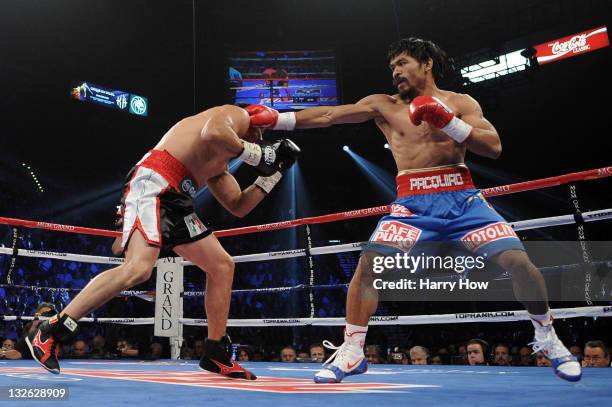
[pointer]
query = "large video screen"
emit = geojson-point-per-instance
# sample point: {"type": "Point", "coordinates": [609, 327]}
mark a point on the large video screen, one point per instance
{"type": "Point", "coordinates": [284, 80]}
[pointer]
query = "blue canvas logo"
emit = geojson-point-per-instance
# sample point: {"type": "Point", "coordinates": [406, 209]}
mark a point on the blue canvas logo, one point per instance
{"type": "Point", "coordinates": [138, 105]}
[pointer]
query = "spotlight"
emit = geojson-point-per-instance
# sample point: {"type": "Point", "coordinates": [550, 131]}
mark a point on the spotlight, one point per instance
{"type": "Point", "coordinates": [387, 146]}
{"type": "Point", "coordinates": [346, 148]}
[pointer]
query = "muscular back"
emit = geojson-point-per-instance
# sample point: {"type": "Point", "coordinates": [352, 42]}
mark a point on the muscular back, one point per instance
{"type": "Point", "coordinates": [415, 146]}
{"type": "Point", "coordinates": [188, 143]}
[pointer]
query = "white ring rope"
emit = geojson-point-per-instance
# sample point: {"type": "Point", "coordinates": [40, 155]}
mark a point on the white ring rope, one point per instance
{"type": "Point", "coordinates": [591, 216]}
{"type": "Point", "coordinates": [457, 318]}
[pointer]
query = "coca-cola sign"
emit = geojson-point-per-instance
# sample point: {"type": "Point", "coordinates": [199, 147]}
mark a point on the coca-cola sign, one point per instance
{"type": "Point", "coordinates": [572, 45]}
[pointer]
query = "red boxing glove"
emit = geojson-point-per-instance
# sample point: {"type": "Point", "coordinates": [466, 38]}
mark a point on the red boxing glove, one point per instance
{"type": "Point", "coordinates": [266, 117]}
{"type": "Point", "coordinates": [433, 111]}
{"type": "Point", "coordinates": [262, 116]}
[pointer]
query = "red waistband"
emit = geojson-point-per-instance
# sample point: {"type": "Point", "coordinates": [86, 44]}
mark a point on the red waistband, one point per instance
{"type": "Point", "coordinates": [168, 167]}
{"type": "Point", "coordinates": [434, 180]}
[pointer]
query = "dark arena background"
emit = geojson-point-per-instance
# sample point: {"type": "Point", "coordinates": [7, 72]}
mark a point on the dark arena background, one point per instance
{"type": "Point", "coordinates": [89, 87]}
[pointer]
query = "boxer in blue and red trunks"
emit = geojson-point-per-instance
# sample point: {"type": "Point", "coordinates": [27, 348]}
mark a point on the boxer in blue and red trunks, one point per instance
{"type": "Point", "coordinates": [429, 131]}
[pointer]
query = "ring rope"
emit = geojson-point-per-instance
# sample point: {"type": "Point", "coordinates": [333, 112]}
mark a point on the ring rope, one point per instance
{"type": "Point", "coordinates": [150, 294]}
{"type": "Point", "coordinates": [596, 173]}
{"type": "Point", "coordinates": [591, 216]}
{"type": "Point", "coordinates": [457, 318]}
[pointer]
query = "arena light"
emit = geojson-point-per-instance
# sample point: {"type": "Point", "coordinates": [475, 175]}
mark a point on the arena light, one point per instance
{"type": "Point", "coordinates": [387, 146]}
{"type": "Point", "coordinates": [502, 65]}
{"type": "Point", "coordinates": [382, 180]}
{"type": "Point", "coordinates": [346, 148]}
{"type": "Point", "coordinates": [34, 177]}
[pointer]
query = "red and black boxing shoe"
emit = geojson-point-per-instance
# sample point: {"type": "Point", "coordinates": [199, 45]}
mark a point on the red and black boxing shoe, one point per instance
{"type": "Point", "coordinates": [216, 358]}
{"type": "Point", "coordinates": [44, 341]}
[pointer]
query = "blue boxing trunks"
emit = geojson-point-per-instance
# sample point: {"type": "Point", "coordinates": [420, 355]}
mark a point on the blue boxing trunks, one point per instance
{"type": "Point", "coordinates": [441, 204]}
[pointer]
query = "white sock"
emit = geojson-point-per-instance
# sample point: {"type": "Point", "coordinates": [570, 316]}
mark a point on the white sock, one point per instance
{"type": "Point", "coordinates": [540, 321]}
{"type": "Point", "coordinates": [355, 334]}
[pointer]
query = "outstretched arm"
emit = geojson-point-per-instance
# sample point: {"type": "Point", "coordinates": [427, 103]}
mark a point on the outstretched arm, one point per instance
{"type": "Point", "coordinates": [362, 111]}
{"type": "Point", "coordinates": [366, 109]}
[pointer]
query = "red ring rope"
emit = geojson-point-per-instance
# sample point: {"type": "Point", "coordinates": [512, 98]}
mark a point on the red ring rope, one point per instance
{"type": "Point", "coordinates": [332, 217]}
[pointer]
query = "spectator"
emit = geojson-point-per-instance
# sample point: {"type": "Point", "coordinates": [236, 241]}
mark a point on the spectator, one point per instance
{"type": "Point", "coordinates": [243, 355]}
{"type": "Point", "coordinates": [79, 349]}
{"type": "Point", "coordinates": [317, 352]}
{"type": "Point", "coordinates": [525, 356]}
{"type": "Point", "coordinates": [64, 350]}
{"type": "Point", "coordinates": [419, 355]}
{"type": "Point", "coordinates": [541, 360]}
{"type": "Point", "coordinates": [198, 348]}
{"type": "Point", "coordinates": [596, 355]}
{"type": "Point", "coordinates": [8, 344]}
{"type": "Point", "coordinates": [476, 351]}
{"type": "Point", "coordinates": [398, 357]}
{"type": "Point", "coordinates": [576, 351]}
{"type": "Point", "coordinates": [436, 360]}
{"type": "Point", "coordinates": [288, 354]}
{"type": "Point", "coordinates": [156, 350]}
{"type": "Point", "coordinates": [372, 352]}
{"type": "Point", "coordinates": [257, 356]}
{"type": "Point", "coordinates": [98, 347]}
{"type": "Point", "coordinates": [462, 354]}
{"type": "Point", "coordinates": [126, 348]}
{"type": "Point", "coordinates": [186, 353]}
{"type": "Point", "coordinates": [501, 355]}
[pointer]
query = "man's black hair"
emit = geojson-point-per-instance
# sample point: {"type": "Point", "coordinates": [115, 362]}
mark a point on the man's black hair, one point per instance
{"type": "Point", "coordinates": [422, 51]}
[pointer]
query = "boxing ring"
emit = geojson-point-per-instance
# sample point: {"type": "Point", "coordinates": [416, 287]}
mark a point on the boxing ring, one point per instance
{"type": "Point", "coordinates": [163, 383]}
{"type": "Point", "coordinates": [155, 382]}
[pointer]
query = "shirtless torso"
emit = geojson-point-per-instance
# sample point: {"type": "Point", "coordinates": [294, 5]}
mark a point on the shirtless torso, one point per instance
{"type": "Point", "coordinates": [416, 146]}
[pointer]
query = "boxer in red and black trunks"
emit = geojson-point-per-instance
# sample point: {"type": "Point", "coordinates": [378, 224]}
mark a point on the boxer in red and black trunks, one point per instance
{"type": "Point", "coordinates": [429, 131]}
{"type": "Point", "coordinates": [158, 219]}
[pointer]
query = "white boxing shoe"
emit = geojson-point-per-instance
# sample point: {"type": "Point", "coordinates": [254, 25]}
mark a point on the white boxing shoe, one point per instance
{"type": "Point", "coordinates": [348, 360]}
{"type": "Point", "coordinates": [563, 362]}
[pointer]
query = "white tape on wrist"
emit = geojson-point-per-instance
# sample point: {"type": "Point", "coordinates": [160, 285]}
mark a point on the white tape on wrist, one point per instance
{"type": "Point", "coordinates": [457, 129]}
{"type": "Point", "coordinates": [286, 121]}
{"type": "Point", "coordinates": [268, 183]}
{"type": "Point", "coordinates": [251, 153]}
